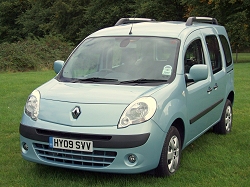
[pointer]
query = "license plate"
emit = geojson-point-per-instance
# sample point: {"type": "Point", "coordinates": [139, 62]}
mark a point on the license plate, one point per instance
{"type": "Point", "coordinates": [69, 144]}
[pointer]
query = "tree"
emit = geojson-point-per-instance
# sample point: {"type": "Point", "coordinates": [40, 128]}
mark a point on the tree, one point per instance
{"type": "Point", "coordinates": [238, 30]}
{"type": "Point", "coordinates": [104, 13]}
{"type": "Point", "coordinates": [74, 19]}
{"type": "Point", "coordinates": [10, 29]}
{"type": "Point", "coordinates": [233, 14]}
{"type": "Point", "coordinates": [68, 18]}
{"type": "Point", "coordinates": [160, 10]}
{"type": "Point", "coordinates": [57, 17]}
{"type": "Point", "coordinates": [34, 20]}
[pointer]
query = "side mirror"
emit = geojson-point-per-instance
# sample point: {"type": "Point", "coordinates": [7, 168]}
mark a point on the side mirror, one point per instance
{"type": "Point", "coordinates": [58, 64]}
{"type": "Point", "coordinates": [198, 72]}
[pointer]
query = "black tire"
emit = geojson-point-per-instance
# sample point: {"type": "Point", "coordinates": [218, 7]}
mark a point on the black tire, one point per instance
{"type": "Point", "coordinates": [224, 126]}
{"type": "Point", "coordinates": [171, 154]}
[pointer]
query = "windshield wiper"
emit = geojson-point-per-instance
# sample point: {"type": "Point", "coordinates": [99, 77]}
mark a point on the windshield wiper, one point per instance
{"type": "Point", "coordinates": [94, 79]}
{"type": "Point", "coordinates": [143, 81]}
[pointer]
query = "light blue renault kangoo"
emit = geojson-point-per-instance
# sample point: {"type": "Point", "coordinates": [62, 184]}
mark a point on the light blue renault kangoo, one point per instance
{"type": "Point", "coordinates": [131, 97]}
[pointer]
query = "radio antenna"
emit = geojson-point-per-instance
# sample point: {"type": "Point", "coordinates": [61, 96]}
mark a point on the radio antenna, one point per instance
{"type": "Point", "coordinates": [130, 32]}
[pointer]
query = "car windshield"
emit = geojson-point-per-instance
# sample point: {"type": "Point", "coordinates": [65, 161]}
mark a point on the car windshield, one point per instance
{"type": "Point", "coordinates": [122, 60]}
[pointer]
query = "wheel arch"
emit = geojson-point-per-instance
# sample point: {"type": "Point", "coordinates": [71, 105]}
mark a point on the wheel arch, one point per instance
{"type": "Point", "coordinates": [231, 97]}
{"type": "Point", "coordinates": [179, 124]}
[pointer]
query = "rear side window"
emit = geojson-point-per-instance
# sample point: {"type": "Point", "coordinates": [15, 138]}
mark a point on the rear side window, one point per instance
{"type": "Point", "coordinates": [214, 52]}
{"type": "Point", "coordinates": [226, 49]}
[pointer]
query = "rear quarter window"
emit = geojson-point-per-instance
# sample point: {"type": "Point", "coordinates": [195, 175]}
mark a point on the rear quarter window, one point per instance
{"type": "Point", "coordinates": [226, 50]}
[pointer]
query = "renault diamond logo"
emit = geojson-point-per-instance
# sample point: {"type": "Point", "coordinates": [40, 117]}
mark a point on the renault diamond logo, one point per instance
{"type": "Point", "coordinates": [76, 112]}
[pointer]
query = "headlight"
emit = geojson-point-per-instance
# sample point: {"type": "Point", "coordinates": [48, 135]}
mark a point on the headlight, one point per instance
{"type": "Point", "coordinates": [32, 105]}
{"type": "Point", "coordinates": [138, 111]}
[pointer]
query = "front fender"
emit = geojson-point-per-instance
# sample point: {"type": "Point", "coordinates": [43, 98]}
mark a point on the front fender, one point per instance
{"type": "Point", "coordinates": [171, 104]}
{"type": "Point", "coordinates": [174, 109]}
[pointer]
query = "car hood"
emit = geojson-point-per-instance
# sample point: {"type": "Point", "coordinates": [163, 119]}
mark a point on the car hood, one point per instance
{"type": "Point", "coordinates": [93, 93]}
{"type": "Point", "coordinates": [100, 104]}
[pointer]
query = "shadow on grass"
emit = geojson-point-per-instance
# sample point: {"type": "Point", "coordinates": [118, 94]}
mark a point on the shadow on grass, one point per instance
{"type": "Point", "coordinates": [46, 173]}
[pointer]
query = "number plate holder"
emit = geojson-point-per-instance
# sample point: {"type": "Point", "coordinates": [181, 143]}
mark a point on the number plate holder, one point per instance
{"type": "Point", "coordinates": [70, 144]}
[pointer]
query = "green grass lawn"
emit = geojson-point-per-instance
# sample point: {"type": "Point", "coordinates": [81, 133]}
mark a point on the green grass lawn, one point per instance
{"type": "Point", "coordinates": [212, 160]}
{"type": "Point", "coordinates": [242, 57]}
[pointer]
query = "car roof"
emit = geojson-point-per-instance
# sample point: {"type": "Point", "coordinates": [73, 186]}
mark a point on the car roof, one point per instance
{"type": "Point", "coordinates": [173, 29]}
{"type": "Point", "coordinates": [143, 29]}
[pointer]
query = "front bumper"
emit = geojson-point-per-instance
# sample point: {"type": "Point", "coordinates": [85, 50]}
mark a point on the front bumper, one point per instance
{"type": "Point", "coordinates": [111, 151]}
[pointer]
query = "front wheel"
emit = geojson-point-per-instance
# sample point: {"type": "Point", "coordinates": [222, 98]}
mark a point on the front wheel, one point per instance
{"type": "Point", "coordinates": [224, 126]}
{"type": "Point", "coordinates": [171, 153]}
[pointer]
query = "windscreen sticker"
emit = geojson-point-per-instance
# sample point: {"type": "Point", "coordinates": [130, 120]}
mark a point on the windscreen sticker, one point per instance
{"type": "Point", "coordinates": [167, 70]}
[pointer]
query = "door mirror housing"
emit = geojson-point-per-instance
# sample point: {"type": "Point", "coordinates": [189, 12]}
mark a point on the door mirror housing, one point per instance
{"type": "Point", "coordinates": [58, 64]}
{"type": "Point", "coordinates": [198, 72]}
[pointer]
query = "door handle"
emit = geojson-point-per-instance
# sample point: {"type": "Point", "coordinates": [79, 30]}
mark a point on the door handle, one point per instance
{"type": "Point", "coordinates": [216, 86]}
{"type": "Point", "coordinates": [209, 90]}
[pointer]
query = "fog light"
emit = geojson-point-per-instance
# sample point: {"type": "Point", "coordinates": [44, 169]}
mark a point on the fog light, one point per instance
{"type": "Point", "coordinates": [25, 147]}
{"type": "Point", "coordinates": [132, 158]}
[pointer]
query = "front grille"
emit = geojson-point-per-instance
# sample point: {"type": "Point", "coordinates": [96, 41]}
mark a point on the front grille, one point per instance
{"type": "Point", "coordinates": [97, 159]}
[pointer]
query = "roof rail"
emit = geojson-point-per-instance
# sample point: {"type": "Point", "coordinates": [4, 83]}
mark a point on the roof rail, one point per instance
{"type": "Point", "coordinates": [133, 20]}
{"type": "Point", "coordinates": [210, 20]}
